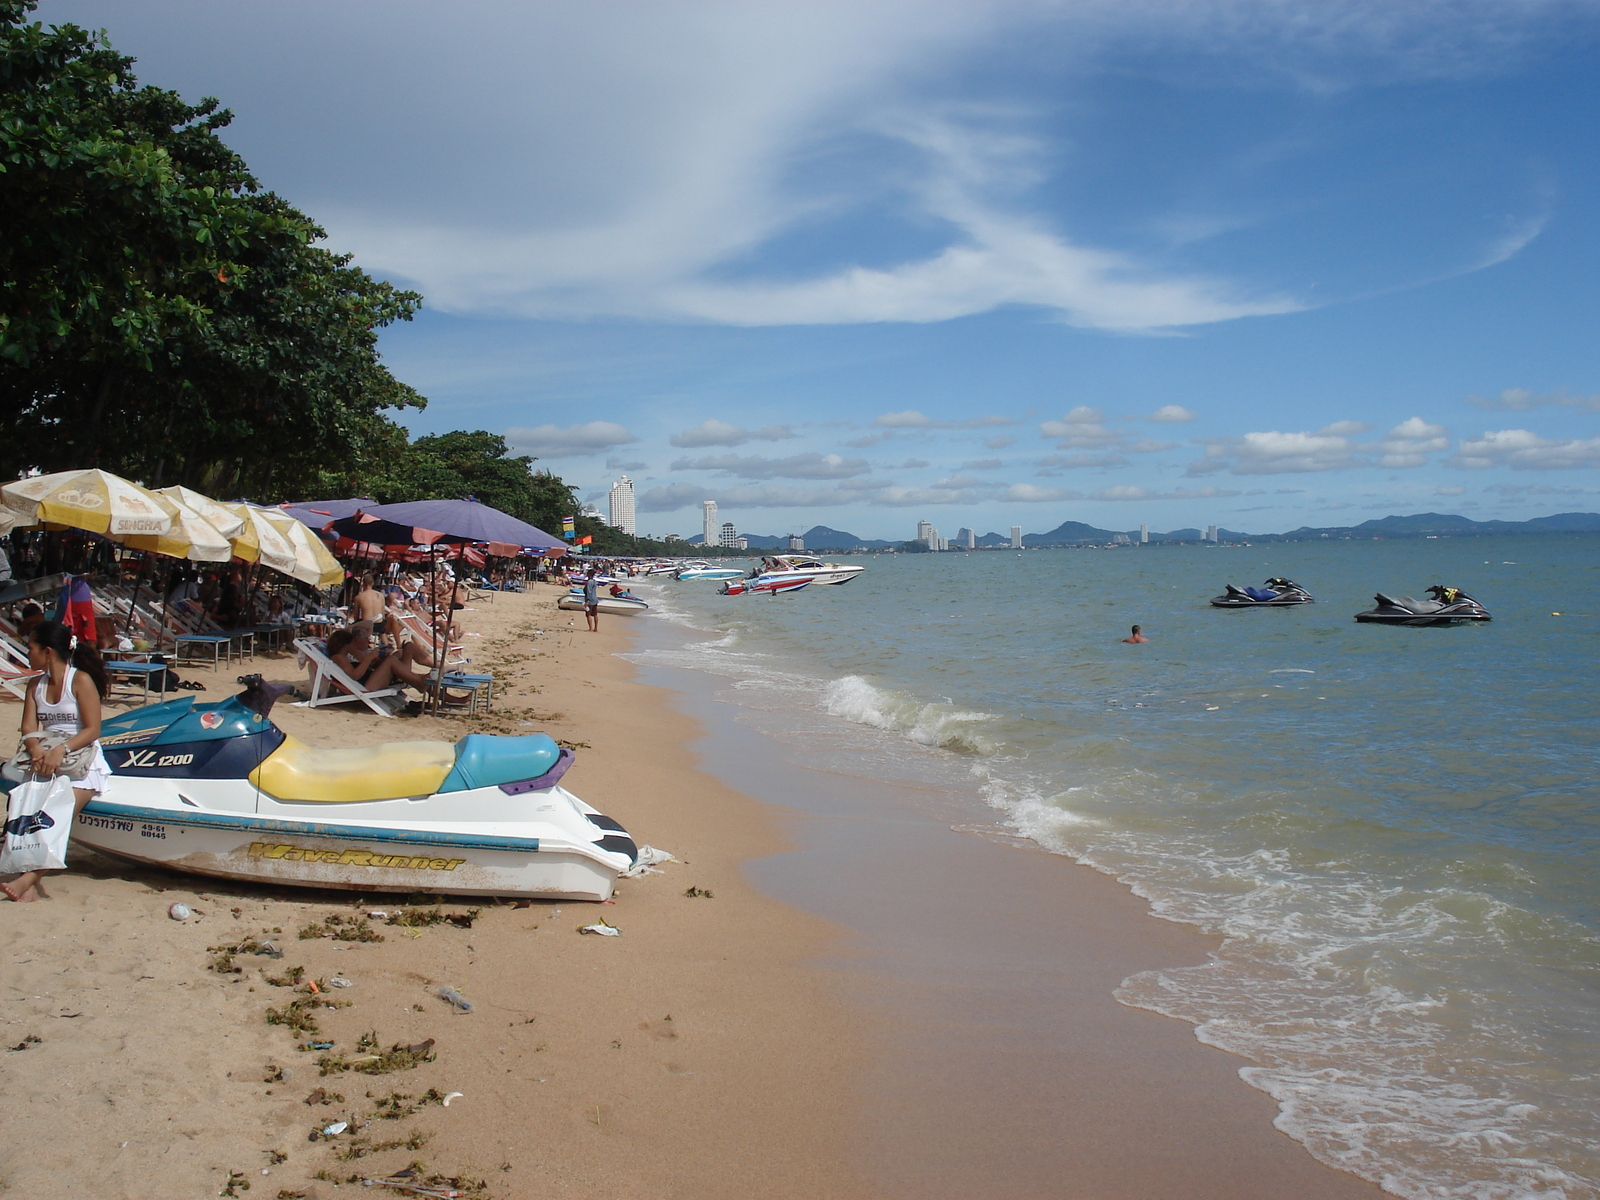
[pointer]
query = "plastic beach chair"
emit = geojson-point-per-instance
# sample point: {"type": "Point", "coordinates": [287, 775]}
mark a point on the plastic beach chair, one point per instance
{"type": "Point", "coordinates": [327, 676]}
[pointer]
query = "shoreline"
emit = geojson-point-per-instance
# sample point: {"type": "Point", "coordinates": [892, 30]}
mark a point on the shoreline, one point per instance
{"type": "Point", "coordinates": [834, 1021]}
{"type": "Point", "coordinates": [694, 1053]}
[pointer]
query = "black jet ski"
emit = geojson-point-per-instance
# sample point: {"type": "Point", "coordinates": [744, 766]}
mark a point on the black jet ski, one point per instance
{"type": "Point", "coordinates": [1447, 606]}
{"type": "Point", "coordinates": [1277, 593]}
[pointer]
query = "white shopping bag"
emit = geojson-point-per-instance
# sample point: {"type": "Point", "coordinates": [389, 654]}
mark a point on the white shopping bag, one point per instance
{"type": "Point", "coordinates": [38, 824]}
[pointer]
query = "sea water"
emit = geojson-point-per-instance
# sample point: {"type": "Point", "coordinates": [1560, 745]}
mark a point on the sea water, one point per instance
{"type": "Point", "coordinates": [1394, 831]}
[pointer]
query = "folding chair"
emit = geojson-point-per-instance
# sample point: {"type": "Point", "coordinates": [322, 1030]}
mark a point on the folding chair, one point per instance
{"type": "Point", "coordinates": [328, 675]}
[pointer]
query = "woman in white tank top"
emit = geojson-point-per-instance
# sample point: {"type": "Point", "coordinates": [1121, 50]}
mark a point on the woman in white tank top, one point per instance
{"type": "Point", "coordinates": [65, 700]}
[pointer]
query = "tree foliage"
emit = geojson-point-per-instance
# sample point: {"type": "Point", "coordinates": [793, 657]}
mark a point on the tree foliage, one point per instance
{"type": "Point", "coordinates": [160, 315]}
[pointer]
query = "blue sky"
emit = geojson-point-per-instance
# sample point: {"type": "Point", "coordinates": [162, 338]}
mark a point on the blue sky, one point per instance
{"type": "Point", "coordinates": [1259, 264]}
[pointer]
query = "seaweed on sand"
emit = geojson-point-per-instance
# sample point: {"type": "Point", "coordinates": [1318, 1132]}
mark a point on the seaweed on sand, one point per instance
{"type": "Point", "coordinates": [342, 929]}
{"type": "Point", "coordinates": [369, 1060]}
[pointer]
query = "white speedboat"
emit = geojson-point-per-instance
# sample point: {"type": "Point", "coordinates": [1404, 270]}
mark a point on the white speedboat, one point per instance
{"type": "Point", "coordinates": [803, 566]}
{"type": "Point", "coordinates": [710, 573]}
{"type": "Point", "coordinates": [617, 606]}
{"type": "Point", "coordinates": [219, 790]}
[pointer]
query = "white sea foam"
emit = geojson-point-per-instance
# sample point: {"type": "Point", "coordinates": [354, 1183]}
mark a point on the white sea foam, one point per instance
{"type": "Point", "coordinates": [942, 725]}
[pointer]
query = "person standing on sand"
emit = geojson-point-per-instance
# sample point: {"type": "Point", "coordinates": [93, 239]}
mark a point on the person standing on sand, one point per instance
{"type": "Point", "coordinates": [591, 601]}
{"type": "Point", "coordinates": [1137, 637]}
{"type": "Point", "coordinates": [368, 603]}
{"type": "Point", "coordinates": [64, 701]}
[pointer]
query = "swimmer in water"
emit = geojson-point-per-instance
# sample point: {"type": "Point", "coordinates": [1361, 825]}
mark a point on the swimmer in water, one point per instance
{"type": "Point", "coordinates": [1137, 637]}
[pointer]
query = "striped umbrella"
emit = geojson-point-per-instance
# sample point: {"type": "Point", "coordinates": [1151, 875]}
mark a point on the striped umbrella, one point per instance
{"type": "Point", "coordinates": [95, 500]}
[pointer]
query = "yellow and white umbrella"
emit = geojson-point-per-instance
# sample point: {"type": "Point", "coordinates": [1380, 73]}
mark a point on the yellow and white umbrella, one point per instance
{"type": "Point", "coordinates": [93, 499]}
{"type": "Point", "coordinates": [314, 563]}
{"type": "Point", "coordinates": [226, 522]}
{"type": "Point", "coordinates": [191, 537]}
{"type": "Point", "coordinates": [259, 541]}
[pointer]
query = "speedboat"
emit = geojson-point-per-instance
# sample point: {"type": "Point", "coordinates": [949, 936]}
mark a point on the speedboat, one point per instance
{"type": "Point", "coordinates": [1447, 606]}
{"type": "Point", "coordinates": [219, 790]}
{"type": "Point", "coordinates": [745, 587]}
{"type": "Point", "coordinates": [803, 566]}
{"type": "Point", "coordinates": [710, 573]}
{"type": "Point", "coordinates": [625, 605]}
{"type": "Point", "coordinates": [1278, 592]}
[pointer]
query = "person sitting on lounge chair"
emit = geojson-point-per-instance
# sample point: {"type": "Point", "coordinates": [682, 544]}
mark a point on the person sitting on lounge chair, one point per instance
{"type": "Point", "coordinates": [354, 652]}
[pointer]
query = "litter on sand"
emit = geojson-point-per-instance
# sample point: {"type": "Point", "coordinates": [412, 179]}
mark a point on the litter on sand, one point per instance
{"type": "Point", "coordinates": [336, 1128]}
{"type": "Point", "coordinates": [179, 912]}
{"type": "Point", "coordinates": [602, 928]}
{"type": "Point", "coordinates": [339, 981]}
{"type": "Point", "coordinates": [649, 856]}
{"type": "Point", "coordinates": [454, 998]}
{"type": "Point", "coordinates": [449, 1096]}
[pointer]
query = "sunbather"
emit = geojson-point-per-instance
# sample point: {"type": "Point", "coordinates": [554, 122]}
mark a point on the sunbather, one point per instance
{"type": "Point", "coordinates": [375, 668]}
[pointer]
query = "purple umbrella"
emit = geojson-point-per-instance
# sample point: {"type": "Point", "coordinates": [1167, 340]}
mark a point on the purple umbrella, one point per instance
{"type": "Point", "coordinates": [317, 513]}
{"type": "Point", "coordinates": [424, 522]}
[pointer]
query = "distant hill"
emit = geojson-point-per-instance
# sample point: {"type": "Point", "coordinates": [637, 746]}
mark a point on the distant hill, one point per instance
{"type": "Point", "coordinates": [1436, 524]}
{"type": "Point", "coordinates": [820, 537]}
{"type": "Point", "coordinates": [1068, 533]}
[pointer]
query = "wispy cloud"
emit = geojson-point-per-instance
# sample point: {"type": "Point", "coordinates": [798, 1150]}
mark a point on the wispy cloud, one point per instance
{"type": "Point", "coordinates": [795, 466]}
{"type": "Point", "coordinates": [1522, 400]}
{"type": "Point", "coordinates": [712, 432]}
{"type": "Point", "coordinates": [1522, 450]}
{"type": "Point", "coordinates": [553, 441]}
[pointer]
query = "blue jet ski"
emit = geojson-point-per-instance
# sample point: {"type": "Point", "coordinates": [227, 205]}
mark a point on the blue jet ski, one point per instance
{"type": "Point", "coordinates": [1276, 593]}
{"type": "Point", "coordinates": [218, 789]}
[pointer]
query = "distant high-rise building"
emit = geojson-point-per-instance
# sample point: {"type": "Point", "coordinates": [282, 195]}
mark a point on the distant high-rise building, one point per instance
{"type": "Point", "coordinates": [729, 537]}
{"type": "Point", "coordinates": [1211, 533]}
{"type": "Point", "coordinates": [710, 530]}
{"type": "Point", "coordinates": [1144, 534]}
{"type": "Point", "coordinates": [741, 542]}
{"type": "Point", "coordinates": [1016, 537]}
{"type": "Point", "coordinates": [965, 537]}
{"type": "Point", "coordinates": [622, 505]}
{"type": "Point", "coordinates": [927, 535]}
{"type": "Point", "coordinates": [796, 542]}
{"type": "Point", "coordinates": [939, 543]}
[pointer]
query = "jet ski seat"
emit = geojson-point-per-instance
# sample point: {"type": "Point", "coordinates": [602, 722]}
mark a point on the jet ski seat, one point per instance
{"type": "Point", "coordinates": [484, 760]}
{"type": "Point", "coordinates": [296, 771]}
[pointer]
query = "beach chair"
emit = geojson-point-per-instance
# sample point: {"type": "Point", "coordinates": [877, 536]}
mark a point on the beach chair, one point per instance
{"type": "Point", "coordinates": [455, 653]}
{"type": "Point", "coordinates": [16, 680]}
{"type": "Point", "coordinates": [330, 678]}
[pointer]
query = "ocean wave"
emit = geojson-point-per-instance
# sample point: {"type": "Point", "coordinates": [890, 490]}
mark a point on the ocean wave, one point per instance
{"type": "Point", "coordinates": [943, 725]}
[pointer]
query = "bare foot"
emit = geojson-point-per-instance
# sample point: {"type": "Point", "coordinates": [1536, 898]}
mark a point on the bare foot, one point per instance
{"type": "Point", "coordinates": [23, 894]}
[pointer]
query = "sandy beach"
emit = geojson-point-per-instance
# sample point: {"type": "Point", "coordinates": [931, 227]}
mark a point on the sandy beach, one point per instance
{"type": "Point", "coordinates": [725, 1045]}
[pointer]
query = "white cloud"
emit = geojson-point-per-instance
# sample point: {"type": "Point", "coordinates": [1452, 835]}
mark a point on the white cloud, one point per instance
{"type": "Point", "coordinates": [1275, 453]}
{"type": "Point", "coordinates": [796, 466]}
{"type": "Point", "coordinates": [998, 443]}
{"type": "Point", "coordinates": [1449, 491]}
{"type": "Point", "coordinates": [672, 497]}
{"type": "Point", "coordinates": [1525, 451]}
{"type": "Point", "coordinates": [552, 441]}
{"type": "Point", "coordinates": [914, 464]}
{"type": "Point", "coordinates": [616, 464]}
{"type": "Point", "coordinates": [1029, 493]}
{"type": "Point", "coordinates": [910, 419]}
{"type": "Point", "coordinates": [1522, 400]}
{"type": "Point", "coordinates": [1171, 414]}
{"type": "Point", "coordinates": [713, 432]}
{"type": "Point", "coordinates": [980, 464]}
{"type": "Point", "coordinates": [1409, 443]}
{"type": "Point", "coordinates": [1082, 427]}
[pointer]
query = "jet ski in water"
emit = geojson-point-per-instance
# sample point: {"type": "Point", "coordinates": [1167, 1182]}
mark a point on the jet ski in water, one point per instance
{"type": "Point", "coordinates": [218, 789]}
{"type": "Point", "coordinates": [1447, 606]}
{"type": "Point", "coordinates": [1277, 593]}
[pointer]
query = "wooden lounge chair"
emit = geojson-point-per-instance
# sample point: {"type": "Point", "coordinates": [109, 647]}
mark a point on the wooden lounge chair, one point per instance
{"type": "Point", "coordinates": [330, 678]}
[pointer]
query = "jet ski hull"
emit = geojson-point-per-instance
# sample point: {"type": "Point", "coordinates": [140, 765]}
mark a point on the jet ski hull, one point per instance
{"type": "Point", "coordinates": [1241, 602]}
{"type": "Point", "coordinates": [1377, 616]}
{"type": "Point", "coordinates": [616, 606]}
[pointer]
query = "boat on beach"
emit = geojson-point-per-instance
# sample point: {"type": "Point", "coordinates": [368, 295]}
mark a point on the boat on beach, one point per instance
{"type": "Point", "coordinates": [617, 606]}
{"type": "Point", "coordinates": [219, 790]}
{"type": "Point", "coordinates": [803, 566]}
{"type": "Point", "coordinates": [710, 573]}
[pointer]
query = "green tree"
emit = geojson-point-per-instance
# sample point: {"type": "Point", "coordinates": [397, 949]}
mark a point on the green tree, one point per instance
{"type": "Point", "coordinates": [160, 316]}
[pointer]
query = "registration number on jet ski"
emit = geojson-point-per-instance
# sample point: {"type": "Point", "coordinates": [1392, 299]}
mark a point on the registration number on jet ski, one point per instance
{"type": "Point", "coordinates": [353, 858]}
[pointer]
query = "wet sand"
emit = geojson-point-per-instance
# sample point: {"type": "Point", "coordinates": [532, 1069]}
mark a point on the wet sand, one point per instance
{"type": "Point", "coordinates": [869, 1004]}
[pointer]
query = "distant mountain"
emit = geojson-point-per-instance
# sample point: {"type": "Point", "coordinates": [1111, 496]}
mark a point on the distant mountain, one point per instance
{"type": "Point", "coordinates": [820, 537]}
{"type": "Point", "coordinates": [1068, 533]}
{"type": "Point", "coordinates": [1436, 524]}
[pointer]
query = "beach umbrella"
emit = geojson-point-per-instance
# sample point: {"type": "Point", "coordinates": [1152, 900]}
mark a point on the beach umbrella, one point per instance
{"type": "Point", "coordinates": [317, 513]}
{"type": "Point", "coordinates": [93, 500]}
{"type": "Point", "coordinates": [221, 518]}
{"type": "Point", "coordinates": [313, 563]}
{"type": "Point", "coordinates": [191, 537]}
{"type": "Point", "coordinates": [13, 520]}
{"type": "Point", "coordinates": [425, 522]}
{"type": "Point", "coordinates": [260, 541]}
